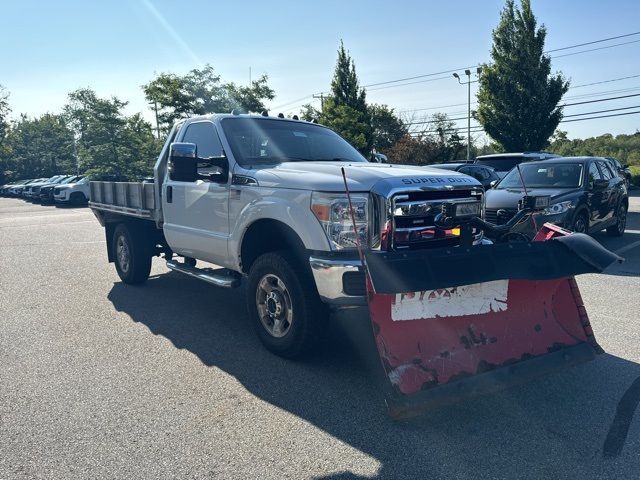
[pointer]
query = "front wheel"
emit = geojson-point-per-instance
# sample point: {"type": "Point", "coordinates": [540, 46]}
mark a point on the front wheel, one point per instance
{"type": "Point", "coordinates": [286, 311]}
{"type": "Point", "coordinates": [581, 223]}
{"type": "Point", "coordinates": [132, 258]}
{"type": "Point", "coordinates": [621, 222]}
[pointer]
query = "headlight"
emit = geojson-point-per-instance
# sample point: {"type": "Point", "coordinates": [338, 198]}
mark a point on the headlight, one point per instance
{"type": "Point", "coordinates": [557, 208]}
{"type": "Point", "coordinates": [332, 211]}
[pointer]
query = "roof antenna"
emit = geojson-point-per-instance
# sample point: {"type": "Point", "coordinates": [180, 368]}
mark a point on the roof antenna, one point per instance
{"type": "Point", "coordinates": [355, 228]}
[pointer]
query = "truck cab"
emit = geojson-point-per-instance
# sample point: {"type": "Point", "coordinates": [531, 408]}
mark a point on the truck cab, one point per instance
{"type": "Point", "coordinates": [265, 200]}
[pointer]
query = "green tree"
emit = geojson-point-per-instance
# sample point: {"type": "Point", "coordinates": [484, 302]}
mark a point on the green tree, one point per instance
{"type": "Point", "coordinates": [41, 147]}
{"type": "Point", "coordinates": [110, 144]}
{"type": "Point", "coordinates": [5, 110]}
{"type": "Point", "coordinates": [386, 127]}
{"type": "Point", "coordinates": [625, 148]}
{"type": "Point", "coordinates": [345, 110]}
{"type": "Point", "coordinates": [449, 143]}
{"type": "Point", "coordinates": [202, 91]}
{"type": "Point", "coordinates": [518, 97]}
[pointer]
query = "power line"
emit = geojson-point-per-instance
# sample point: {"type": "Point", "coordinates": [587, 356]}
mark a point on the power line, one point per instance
{"type": "Point", "coordinates": [478, 128]}
{"type": "Point", "coordinates": [605, 81]}
{"type": "Point", "coordinates": [594, 49]}
{"type": "Point", "coordinates": [599, 100]}
{"type": "Point", "coordinates": [387, 82]}
{"type": "Point", "coordinates": [591, 43]}
{"type": "Point", "coordinates": [572, 97]}
{"type": "Point", "coordinates": [601, 116]}
{"type": "Point", "coordinates": [603, 111]}
{"type": "Point", "coordinates": [563, 105]}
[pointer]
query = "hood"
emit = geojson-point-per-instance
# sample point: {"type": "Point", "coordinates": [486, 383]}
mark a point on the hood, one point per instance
{"type": "Point", "coordinates": [508, 198]}
{"type": "Point", "coordinates": [361, 177]}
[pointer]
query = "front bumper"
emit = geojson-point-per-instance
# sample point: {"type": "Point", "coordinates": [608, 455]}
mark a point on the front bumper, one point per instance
{"type": "Point", "coordinates": [61, 198]}
{"type": "Point", "coordinates": [340, 281]}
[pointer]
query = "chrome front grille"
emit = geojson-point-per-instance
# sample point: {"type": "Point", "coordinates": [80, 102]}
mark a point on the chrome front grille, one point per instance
{"type": "Point", "coordinates": [413, 218]}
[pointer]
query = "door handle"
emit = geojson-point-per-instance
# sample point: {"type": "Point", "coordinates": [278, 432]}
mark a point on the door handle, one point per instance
{"type": "Point", "coordinates": [169, 194]}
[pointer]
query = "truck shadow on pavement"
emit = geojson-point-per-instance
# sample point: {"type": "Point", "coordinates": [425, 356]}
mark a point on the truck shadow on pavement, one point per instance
{"type": "Point", "coordinates": [551, 428]}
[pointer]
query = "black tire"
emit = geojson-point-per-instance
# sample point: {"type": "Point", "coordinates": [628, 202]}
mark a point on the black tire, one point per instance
{"type": "Point", "coordinates": [617, 230]}
{"type": "Point", "coordinates": [309, 316]}
{"type": "Point", "coordinates": [77, 198]}
{"type": "Point", "coordinates": [581, 222]}
{"type": "Point", "coordinates": [131, 254]}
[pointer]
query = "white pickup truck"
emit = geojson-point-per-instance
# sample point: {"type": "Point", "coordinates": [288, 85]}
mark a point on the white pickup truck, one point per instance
{"type": "Point", "coordinates": [264, 199]}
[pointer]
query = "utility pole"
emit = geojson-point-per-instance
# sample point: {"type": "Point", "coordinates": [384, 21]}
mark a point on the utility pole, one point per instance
{"type": "Point", "coordinates": [468, 84]}
{"type": "Point", "coordinates": [249, 75]}
{"type": "Point", "coordinates": [321, 97]}
{"type": "Point", "coordinates": [155, 108]}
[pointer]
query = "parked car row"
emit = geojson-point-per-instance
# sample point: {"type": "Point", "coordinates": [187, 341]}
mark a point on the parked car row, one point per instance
{"type": "Point", "coordinates": [59, 189]}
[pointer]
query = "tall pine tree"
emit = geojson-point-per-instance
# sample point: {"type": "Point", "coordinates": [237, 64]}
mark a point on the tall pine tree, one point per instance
{"type": "Point", "coordinates": [345, 111]}
{"type": "Point", "coordinates": [518, 97]}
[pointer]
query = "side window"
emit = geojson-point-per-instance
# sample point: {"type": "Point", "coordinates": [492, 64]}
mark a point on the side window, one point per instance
{"type": "Point", "coordinates": [475, 172]}
{"type": "Point", "coordinates": [607, 174]}
{"type": "Point", "coordinates": [486, 174]}
{"type": "Point", "coordinates": [594, 173]}
{"type": "Point", "coordinates": [205, 136]}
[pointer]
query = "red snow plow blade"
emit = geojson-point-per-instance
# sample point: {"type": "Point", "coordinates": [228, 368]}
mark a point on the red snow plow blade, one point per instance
{"type": "Point", "coordinates": [458, 322]}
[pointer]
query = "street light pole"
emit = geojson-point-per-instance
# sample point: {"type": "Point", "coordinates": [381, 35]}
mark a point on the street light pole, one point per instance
{"type": "Point", "coordinates": [468, 84]}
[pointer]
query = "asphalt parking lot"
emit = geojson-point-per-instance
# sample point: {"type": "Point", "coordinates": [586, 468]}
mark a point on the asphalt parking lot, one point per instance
{"type": "Point", "coordinates": [167, 380]}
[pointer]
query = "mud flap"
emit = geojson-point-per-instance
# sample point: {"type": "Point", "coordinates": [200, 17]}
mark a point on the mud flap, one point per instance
{"type": "Point", "coordinates": [452, 323]}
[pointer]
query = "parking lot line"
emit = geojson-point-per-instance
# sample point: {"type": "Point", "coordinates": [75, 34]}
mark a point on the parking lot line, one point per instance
{"type": "Point", "coordinates": [626, 248]}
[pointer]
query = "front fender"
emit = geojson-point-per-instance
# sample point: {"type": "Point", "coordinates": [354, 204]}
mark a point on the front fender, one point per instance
{"type": "Point", "coordinates": [291, 207]}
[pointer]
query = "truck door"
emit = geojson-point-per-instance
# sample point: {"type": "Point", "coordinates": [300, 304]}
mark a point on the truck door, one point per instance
{"type": "Point", "coordinates": [196, 219]}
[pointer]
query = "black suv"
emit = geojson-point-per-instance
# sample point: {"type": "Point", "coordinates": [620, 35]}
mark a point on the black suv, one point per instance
{"type": "Point", "coordinates": [484, 174]}
{"type": "Point", "coordinates": [587, 194]}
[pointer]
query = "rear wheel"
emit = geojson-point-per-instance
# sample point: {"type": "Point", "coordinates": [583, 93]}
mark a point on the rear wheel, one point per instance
{"type": "Point", "coordinates": [287, 314]}
{"type": "Point", "coordinates": [132, 257]}
{"type": "Point", "coordinates": [617, 230]}
{"type": "Point", "coordinates": [581, 222]}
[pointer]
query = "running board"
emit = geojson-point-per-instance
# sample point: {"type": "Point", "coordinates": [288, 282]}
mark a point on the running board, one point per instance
{"type": "Point", "coordinates": [220, 277]}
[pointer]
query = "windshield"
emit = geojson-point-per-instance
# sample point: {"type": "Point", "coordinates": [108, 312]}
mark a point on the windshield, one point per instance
{"type": "Point", "coordinates": [501, 164]}
{"type": "Point", "coordinates": [69, 180]}
{"type": "Point", "coordinates": [544, 175]}
{"type": "Point", "coordinates": [255, 141]}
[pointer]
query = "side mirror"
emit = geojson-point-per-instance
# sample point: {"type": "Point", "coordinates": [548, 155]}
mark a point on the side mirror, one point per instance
{"type": "Point", "coordinates": [493, 183]}
{"type": "Point", "coordinates": [186, 166]}
{"type": "Point", "coordinates": [625, 165]}
{"type": "Point", "coordinates": [379, 158]}
{"type": "Point", "coordinates": [600, 184]}
{"type": "Point", "coordinates": [183, 162]}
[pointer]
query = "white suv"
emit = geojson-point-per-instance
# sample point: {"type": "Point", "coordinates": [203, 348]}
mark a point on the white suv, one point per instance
{"type": "Point", "coordinates": [76, 193]}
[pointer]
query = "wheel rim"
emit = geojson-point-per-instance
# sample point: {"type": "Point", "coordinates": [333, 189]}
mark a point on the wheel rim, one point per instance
{"type": "Point", "coordinates": [274, 305]}
{"type": "Point", "coordinates": [622, 218]}
{"type": "Point", "coordinates": [580, 225]}
{"type": "Point", "coordinates": [122, 254]}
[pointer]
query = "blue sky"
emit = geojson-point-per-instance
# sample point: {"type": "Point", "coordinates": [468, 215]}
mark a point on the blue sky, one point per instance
{"type": "Point", "coordinates": [51, 48]}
